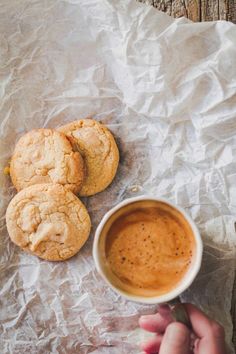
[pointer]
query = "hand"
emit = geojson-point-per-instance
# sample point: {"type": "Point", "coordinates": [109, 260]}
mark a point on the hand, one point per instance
{"type": "Point", "coordinates": [206, 337]}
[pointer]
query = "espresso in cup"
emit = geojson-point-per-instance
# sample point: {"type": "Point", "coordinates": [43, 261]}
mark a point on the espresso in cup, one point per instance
{"type": "Point", "coordinates": [146, 248]}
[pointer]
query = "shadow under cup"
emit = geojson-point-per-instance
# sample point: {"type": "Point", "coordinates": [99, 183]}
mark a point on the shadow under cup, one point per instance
{"type": "Point", "coordinates": [147, 249]}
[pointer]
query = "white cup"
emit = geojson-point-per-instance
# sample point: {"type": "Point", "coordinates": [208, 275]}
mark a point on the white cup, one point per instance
{"type": "Point", "coordinates": [186, 280]}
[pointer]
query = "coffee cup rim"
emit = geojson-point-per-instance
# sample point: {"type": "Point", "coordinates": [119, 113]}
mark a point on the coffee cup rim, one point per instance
{"type": "Point", "coordinates": [187, 280]}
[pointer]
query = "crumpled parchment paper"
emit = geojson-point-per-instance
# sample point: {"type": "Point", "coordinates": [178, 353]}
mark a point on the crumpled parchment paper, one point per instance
{"type": "Point", "coordinates": [167, 90]}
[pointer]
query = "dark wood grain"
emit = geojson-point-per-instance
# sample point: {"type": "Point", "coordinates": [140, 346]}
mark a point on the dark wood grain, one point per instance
{"type": "Point", "coordinates": [197, 10]}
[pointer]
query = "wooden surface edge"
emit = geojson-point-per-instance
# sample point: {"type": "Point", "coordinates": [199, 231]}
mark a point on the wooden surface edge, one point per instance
{"type": "Point", "coordinates": [197, 10]}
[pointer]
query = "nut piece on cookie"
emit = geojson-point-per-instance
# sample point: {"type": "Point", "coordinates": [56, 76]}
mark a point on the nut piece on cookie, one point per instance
{"type": "Point", "coordinates": [99, 151]}
{"type": "Point", "coordinates": [49, 221]}
{"type": "Point", "coordinates": [46, 156]}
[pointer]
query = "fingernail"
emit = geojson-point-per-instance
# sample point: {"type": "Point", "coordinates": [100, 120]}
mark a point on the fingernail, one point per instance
{"type": "Point", "coordinates": [164, 309]}
{"type": "Point", "coordinates": [163, 306]}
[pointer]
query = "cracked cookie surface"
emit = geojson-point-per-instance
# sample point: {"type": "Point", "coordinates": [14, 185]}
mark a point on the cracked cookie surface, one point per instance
{"type": "Point", "coordinates": [98, 148]}
{"type": "Point", "coordinates": [49, 221]}
{"type": "Point", "coordinates": [46, 156]}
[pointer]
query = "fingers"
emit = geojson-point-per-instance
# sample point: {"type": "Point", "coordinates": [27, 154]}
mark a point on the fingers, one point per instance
{"type": "Point", "coordinates": [152, 345]}
{"type": "Point", "coordinates": [156, 323]}
{"type": "Point", "coordinates": [203, 326]}
{"type": "Point", "coordinates": [210, 332]}
{"type": "Point", "coordinates": [176, 339]}
{"type": "Point", "coordinates": [153, 323]}
{"type": "Point", "coordinates": [165, 311]}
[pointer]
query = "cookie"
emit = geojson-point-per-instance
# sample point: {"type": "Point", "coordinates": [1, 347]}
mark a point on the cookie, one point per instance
{"type": "Point", "coordinates": [99, 151]}
{"type": "Point", "coordinates": [46, 156]}
{"type": "Point", "coordinates": [49, 221]}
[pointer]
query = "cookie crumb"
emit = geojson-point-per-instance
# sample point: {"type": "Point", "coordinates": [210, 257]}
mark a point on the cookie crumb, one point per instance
{"type": "Point", "coordinates": [6, 170]}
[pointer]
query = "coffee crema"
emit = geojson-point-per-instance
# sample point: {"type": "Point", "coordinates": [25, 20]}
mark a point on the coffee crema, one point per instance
{"type": "Point", "coordinates": [147, 248]}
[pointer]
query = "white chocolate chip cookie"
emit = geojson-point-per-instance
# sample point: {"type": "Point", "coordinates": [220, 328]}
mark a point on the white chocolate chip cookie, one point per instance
{"type": "Point", "coordinates": [99, 151]}
{"type": "Point", "coordinates": [49, 221]}
{"type": "Point", "coordinates": [46, 156]}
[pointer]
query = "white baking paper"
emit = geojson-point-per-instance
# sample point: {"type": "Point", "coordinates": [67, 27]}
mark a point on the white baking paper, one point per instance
{"type": "Point", "coordinates": [167, 90]}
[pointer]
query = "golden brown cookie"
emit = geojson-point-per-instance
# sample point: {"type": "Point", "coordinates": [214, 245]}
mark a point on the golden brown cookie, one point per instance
{"type": "Point", "coordinates": [99, 151]}
{"type": "Point", "coordinates": [46, 156]}
{"type": "Point", "coordinates": [49, 221]}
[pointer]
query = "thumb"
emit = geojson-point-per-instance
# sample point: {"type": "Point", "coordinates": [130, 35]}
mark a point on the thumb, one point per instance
{"type": "Point", "coordinates": [176, 339]}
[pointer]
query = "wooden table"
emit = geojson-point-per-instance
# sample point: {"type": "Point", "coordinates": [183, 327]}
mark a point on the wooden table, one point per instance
{"type": "Point", "coordinates": [197, 10]}
{"type": "Point", "coordinates": [201, 10]}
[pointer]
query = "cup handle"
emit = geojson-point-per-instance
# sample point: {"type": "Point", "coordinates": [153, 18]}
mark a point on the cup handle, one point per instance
{"type": "Point", "coordinates": [179, 314]}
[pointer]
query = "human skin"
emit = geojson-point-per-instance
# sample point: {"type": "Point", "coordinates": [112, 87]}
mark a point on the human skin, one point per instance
{"type": "Point", "coordinates": [206, 336]}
